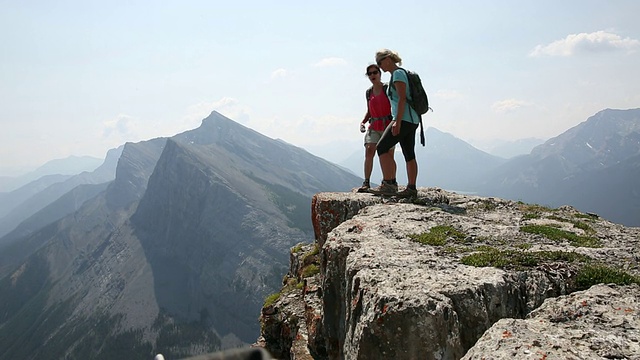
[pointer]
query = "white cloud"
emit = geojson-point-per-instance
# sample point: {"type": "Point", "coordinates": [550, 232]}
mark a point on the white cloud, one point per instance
{"type": "Point", "coordinates": [332, 61]}
{"type": "Point", "coordinates": [509, 105]}
{"type": "Point", "coordinates": [122, 127]}
{"type": "Point", "coordinates": [278, 73]}
{"type": "Point", "coordinates": [599, 41]}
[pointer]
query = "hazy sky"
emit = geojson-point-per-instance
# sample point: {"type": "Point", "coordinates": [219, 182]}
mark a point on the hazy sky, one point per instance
{"type": "Point", "coordinates": [81, 77]}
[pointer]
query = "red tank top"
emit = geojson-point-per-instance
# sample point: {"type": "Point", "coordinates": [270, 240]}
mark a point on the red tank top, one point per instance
{"type": "Point", "coordinates": [379, 108]}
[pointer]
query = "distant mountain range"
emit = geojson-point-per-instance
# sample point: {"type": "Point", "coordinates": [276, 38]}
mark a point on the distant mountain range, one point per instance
{"type": "Point", "coordinates": [508, 149]}
{"type": "Point", "coordinates": [445, 161]}
{"type": "Point", "coordinates": [71, 165]}
{"type": "Point", "coordinates": [24, 202]}
{"type": "Point", "coordinates": [593, 166]}
{"type": "Point", "coordinates": [175, 255]}
{"type": "Point", "coordinates": [172, 244]}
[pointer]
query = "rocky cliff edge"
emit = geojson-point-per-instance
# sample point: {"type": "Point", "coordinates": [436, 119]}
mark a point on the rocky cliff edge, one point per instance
{"type": "Point", "coordinates": [450, 276]}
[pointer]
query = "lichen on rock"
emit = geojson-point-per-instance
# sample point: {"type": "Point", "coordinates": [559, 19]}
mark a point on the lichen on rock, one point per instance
{"type": "Point", "coordinates": [380, 293]}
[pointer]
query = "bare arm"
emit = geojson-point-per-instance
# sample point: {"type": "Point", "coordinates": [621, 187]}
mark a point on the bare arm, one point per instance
{"type": "Point", "coordinates": [401, 88]}
{"type": "Point", "coordinates": [366, 117]}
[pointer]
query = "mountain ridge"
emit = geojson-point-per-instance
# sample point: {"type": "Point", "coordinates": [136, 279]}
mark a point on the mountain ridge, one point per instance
{"type": "Point", "coordinates": [175, 256]}
{"type": "Point", "coordinates": [36, 201]}
{"type": "Point", "coordinates": [563, 169]}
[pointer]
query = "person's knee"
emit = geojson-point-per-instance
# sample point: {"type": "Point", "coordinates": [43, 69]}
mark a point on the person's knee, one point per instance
{"type": "Point", "coordinates": [370, 150]}
{"type": "Point", "coordinates": [409, 155]}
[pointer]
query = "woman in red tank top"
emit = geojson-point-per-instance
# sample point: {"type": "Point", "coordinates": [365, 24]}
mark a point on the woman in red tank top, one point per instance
{"type": "Point", "coordinates": [378, 116]}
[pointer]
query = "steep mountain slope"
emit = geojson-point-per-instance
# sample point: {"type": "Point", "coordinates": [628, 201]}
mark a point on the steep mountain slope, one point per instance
{"type": "Point", "coordinates": [175, 256]}
{"type": "Point", "coordinates": [9, 200]}
{"type": "Point", "coordinates": [613, 192]}
{"type": "Point", "coordinates": [56, 303]}
{"type": "Point", "coordinates": [578, 167]}
{"type": "Point", "coordinates": [13, 250]}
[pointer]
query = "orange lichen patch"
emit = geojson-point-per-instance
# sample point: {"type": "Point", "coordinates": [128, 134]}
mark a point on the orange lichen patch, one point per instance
{"type": "Point", "coordinates": [507, 334]}
{"type": "Point", "coordinates": [584, 302]}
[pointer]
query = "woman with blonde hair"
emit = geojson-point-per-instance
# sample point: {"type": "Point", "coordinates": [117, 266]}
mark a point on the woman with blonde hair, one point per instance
{"type": "Point", "coordinates": [378, 116]}
{"type": "Point", "coordinates": [401, 130]}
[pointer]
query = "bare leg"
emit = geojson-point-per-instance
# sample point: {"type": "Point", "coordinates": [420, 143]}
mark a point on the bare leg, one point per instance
{"type": "Point", "coordinates": [370, 152]}
{"type": "Point", "coordinates": [412, 171]}
{"type": "Point", "coordinates": [388, 165]}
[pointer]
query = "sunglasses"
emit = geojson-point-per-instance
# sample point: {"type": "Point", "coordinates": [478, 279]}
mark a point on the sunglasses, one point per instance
{"type": "Point", "coordinates": [379, 61]}
{"type": "Point", "coordinates": [369, 73]}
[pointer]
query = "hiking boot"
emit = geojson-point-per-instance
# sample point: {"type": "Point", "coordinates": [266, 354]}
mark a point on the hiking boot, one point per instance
{"type": "Point", "coordinates": [408, 193]}
{"type": "Point", "coordinates": [365, 186]}
{"type": "Point", "coordinates": [386, 188]}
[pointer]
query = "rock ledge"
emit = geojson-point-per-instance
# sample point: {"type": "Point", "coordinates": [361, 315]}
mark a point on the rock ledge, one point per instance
{"type": "Point", "coordinates": [367, 290]}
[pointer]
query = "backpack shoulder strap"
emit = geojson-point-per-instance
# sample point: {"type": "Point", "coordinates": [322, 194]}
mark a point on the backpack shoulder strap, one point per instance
{"type": "Point", "coordinates": [367, 95]}
{"type": "Point", "coordinates": [391, 83]}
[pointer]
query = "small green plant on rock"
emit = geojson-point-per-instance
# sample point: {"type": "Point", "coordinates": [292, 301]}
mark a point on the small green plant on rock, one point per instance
{"type": "Point", "coordinates": [596, 274]}
{"type": "Point", "coordinates": [534, 208]}
{"type": "Point", "coordinates": [271, 299]}
{"type": "Point", "coordinates": [517, 259]}
{"type": "Point", "coordinates": [438, 236]}
{"type": "Point", "coordinates": [313, 252]}
{"type": "Point", "coordinates": [587, 217]}
{"type": "Point", "coordinates": [296, 249]}
{"type": "Point", "coordinates": [310, 270]}
{"type": "Point", "coordinates": [556, 234]}
{"type": "Point", "coordinates": [487, 205]}
{"type": "Point", "coordinates": [576, 223]}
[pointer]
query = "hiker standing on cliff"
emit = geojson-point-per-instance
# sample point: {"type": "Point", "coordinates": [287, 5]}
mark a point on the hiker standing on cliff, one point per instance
{"type": "Point", "coordinates": [401, 130]}
{"type": "Point", "coordinates": [378, 116]}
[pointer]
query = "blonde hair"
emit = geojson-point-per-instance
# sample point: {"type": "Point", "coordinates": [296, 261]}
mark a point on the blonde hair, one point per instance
{"type": "Point", "coordinates": [383, 53]}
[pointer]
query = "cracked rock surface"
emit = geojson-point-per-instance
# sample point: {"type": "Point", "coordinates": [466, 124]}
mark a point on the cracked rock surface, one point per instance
{"type": "Point", "coordinates": [602, 322]}
{"type": "Point", "coordinates": [380, 294]}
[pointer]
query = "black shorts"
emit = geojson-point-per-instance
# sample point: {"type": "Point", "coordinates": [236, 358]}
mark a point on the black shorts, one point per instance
{"type": "Point", "coordinates": [406, 138]}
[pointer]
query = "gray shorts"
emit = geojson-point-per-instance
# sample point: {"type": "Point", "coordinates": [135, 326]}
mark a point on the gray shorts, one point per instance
{"type": "Point", "coordinates": [372, 136]}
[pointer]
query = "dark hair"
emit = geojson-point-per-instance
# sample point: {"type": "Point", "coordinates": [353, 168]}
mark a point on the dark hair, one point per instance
{"type": "Point", "coordinates": [374, 66]}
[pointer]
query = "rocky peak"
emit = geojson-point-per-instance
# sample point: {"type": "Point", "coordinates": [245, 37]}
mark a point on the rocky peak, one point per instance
{"type": "Point", "coordinates": [604, 139]}
{"type": "Point", "coordinates": [429, 278]}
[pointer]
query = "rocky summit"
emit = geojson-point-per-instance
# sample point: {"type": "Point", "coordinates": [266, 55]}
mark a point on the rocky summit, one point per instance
{"type": "Point", "coordinates": [451, 276]}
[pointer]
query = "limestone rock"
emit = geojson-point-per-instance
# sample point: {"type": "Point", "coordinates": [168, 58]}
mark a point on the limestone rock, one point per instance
{"type": "Point", "coordinates": [600, 323]}
{"type": "Point", "coordinates": [382, 294]}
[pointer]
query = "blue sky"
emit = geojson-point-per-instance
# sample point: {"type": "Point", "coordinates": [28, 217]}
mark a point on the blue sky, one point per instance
{"type": "Point", "coordinates": [81, 77]}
